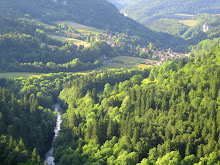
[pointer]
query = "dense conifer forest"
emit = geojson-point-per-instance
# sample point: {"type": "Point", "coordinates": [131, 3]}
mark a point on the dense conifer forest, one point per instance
{"type": "Point", "coordinates": [26, 117]}
{"type": "Point", "coordinates": [113, 118]}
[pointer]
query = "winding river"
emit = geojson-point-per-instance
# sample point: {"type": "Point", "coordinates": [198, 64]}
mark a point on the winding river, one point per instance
{"type": "Point", "coordinates": [49, 155]}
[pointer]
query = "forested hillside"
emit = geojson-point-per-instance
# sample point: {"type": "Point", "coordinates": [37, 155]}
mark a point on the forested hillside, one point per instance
{"type": "Point", "coordinates": [189, 27]}
{"type": "Point", "coordinates": [204, 46]}
{"type": "Point", "coordinates": [24, 53]}
{"type": "Point", "coordinates": [145, 11]}
{"type": "Point", "coordinates": [97, 13]}
{"type": "Point", "coordinates": [197, 31]}
{"type": "Point", "coordinates": [170, 26]}
{"type": "Point", "coordinates": [115, 118]}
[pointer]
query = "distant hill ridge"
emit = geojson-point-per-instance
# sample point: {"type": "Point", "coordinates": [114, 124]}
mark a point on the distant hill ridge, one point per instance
{"type": "Point", "coordinates": [121, 3]}
{"type": "Point", "coordinates": [118, 5]}
{"type": "Point", "coordinates": [144, 11]}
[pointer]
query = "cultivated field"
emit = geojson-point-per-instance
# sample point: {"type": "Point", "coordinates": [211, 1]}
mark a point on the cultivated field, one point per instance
{"type": "Point", "coordinates": [130, 62]}
{"type": "Point", "coordinates": [189, 22]}
{"type": "Point", "coordinates": [19, 74]}
{"type": "Point", "coordinates": [75, 41]}
{"type": "Point", "coordinates": [81, 28]}
{"type": "Point", "coordinates": [185, 15]}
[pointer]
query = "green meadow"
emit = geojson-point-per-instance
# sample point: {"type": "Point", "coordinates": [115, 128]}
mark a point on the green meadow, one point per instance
{"type": "Point", "coordinates": [190, 22]}
{"type": "Point", "coordinates": [75, 41]}
{"type": "Point", "coordinates": [9, 75]}
{"type": "Point", "coordinates": [81, 28]}
{"type": "Point", "coordinates": [127, 63]}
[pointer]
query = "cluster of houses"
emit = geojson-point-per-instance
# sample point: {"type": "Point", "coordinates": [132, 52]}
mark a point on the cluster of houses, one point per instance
{"type": "Point", "coordinates": [162, 56]}
{"type": "Point", "coordinates": [215, 15]}
{"type": "Point", "coordinates": [159, 56]}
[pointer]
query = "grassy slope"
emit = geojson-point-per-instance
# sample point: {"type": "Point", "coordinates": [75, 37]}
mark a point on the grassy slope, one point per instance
{"type": "Point", "coordinates": [185, 15]}
{"type": "Point", "coordinates": [128, 63]}
{"type": "Point", "coordinates": [190, 23]}
{"type": "Point", "coordinates": [75, 41]}
{"type": "Point", "coordinates": [81, 28]}
{"type": "Point", "coordinates": [19, 74]}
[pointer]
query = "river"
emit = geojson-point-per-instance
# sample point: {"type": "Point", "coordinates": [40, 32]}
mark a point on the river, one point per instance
{"type": "Point", "coordinates": [49, 155]}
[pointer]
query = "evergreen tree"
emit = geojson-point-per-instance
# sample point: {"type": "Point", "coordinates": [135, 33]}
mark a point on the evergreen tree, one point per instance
{"type": "Point", "coordinates": [116, 89]}
{"type": "Point", "coordinates": [111, 130]}
{"type": "Point", "coordinates": [95, 96]}
{"type": "Point", "coordinates": [136, 135]}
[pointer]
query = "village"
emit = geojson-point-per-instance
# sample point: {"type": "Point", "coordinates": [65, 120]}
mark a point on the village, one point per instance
{"type": "Point", "coordinates": [161, 56]}
{"type": "Point", "coordinates": [158, 57]}
{"type": "Point", "coordinates": [154, 55]}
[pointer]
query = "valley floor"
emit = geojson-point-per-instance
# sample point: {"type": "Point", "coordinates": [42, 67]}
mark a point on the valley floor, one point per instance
{"type": "Point", "coordinates": [124, 62]}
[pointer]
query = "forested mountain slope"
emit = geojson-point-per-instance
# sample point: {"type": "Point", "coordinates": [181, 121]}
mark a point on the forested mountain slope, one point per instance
{"type": "Point", "coordinates": [145, 11]}
{"type": "Point", "coordinates": [96, 13]}
{"type": "Point", "coordinates": [204, 46]}
{"type": "Point", "coordinates": [115, 118]}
